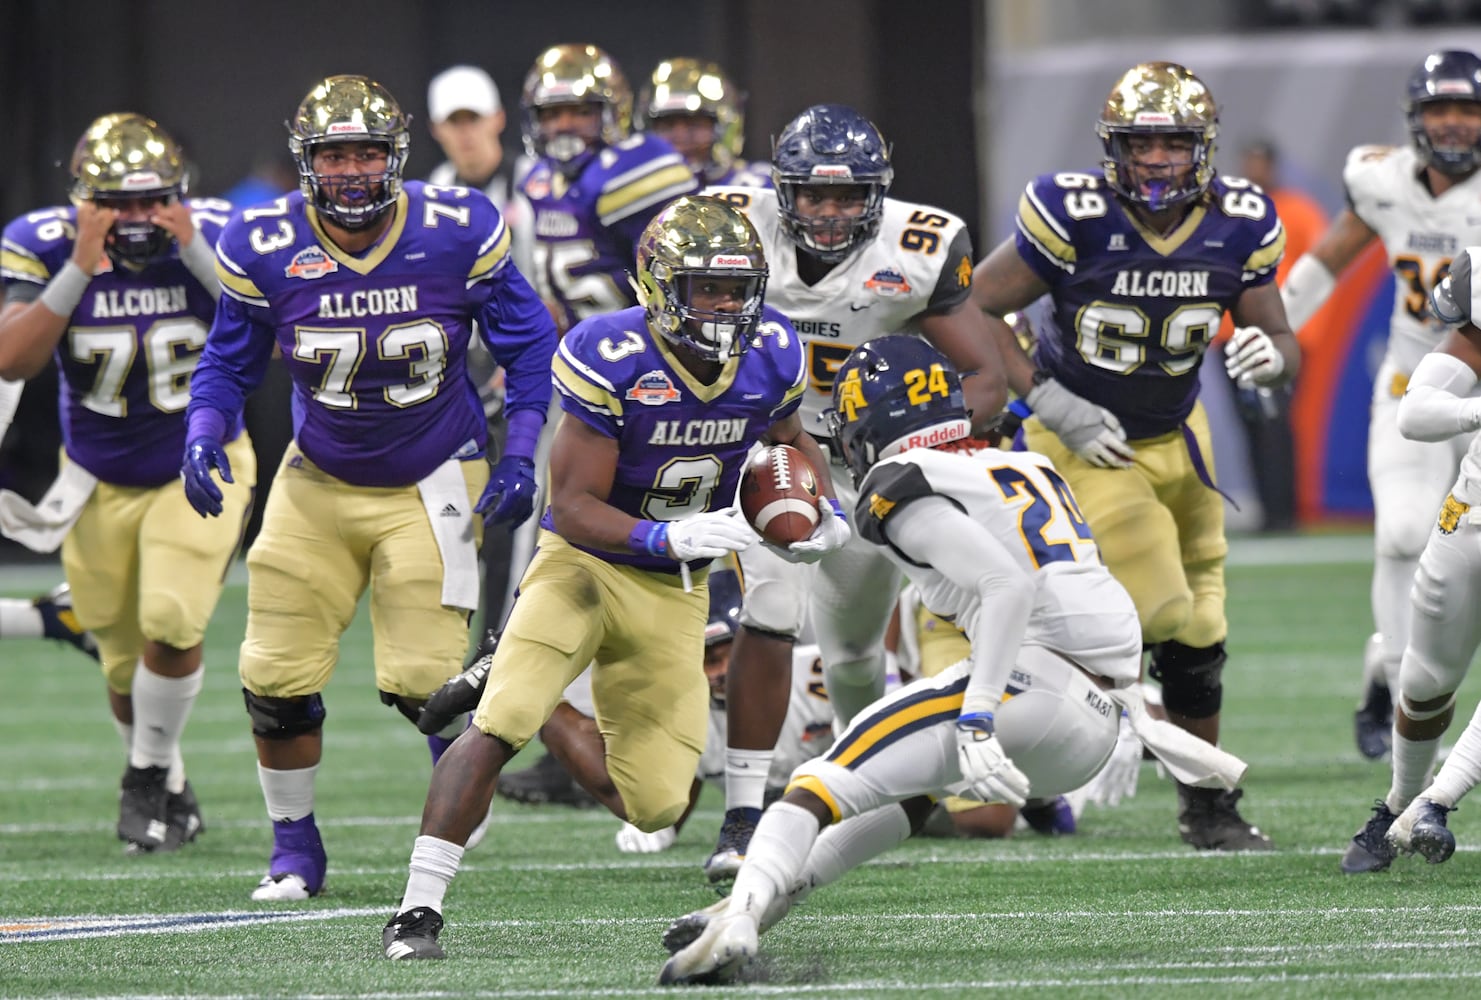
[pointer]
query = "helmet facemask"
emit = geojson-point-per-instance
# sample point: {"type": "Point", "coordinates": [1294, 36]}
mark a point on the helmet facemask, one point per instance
{"type": "Point", "coordinates": [1158, 99]}
{"type": "Point", "coordinates": [121, 161]}
{"type": "Point", "coordinates": [712, 334]}
{"type": "Point", "coordinates": [831, 144]}
{"type": "Point", "coordinates": [574, 74]}
{"type": "Point", "coordinates": [701, 247]}
{"type": "Point", "coordinates": [1452, 147]}
{"type": "Point", "coordinates": [348, 111]}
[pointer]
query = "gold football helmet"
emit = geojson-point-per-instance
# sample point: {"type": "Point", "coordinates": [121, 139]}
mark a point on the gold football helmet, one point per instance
{"type": "Point", "coordinates": [692, 87]}
{"type": "Point", "coordinates": [574, 74]}
{"type": "Point", "coordinates": [1158, 98]}
{"type": "Point", "coordinates": [349, 109]}
{"type": "Point", "coordinates": [126, 156]}
{"type": "Point", "coordinates": [695, 239]}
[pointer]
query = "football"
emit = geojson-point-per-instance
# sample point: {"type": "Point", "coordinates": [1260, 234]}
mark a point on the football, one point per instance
{"type": "Point", "coordinates": [779, 494]}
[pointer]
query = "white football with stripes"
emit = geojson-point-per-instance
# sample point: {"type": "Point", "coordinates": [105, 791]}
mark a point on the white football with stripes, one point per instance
{"type": "Point", "coordinates": [779, 494]}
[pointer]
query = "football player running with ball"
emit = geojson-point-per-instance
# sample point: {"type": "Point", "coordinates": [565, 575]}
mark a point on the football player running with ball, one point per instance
{"type": "Point", "coordinates": [996, 542]}
{"type": "Point", "coordinates": [848, 264]}
{"type": "Point", "coordinates": [662, 403]}
{"type": "Point", "coordinates": [1141, 259]}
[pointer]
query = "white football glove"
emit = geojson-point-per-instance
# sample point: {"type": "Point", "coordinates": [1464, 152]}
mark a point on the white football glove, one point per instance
{"type": "Point", "coordinates": [1117, 780]}
{"type": "Point", "coordinates": [708, 536]}
{"type": "Point", "coordinates": [990, 775]}
{"type": "Point", "coordinates": [1090, 431]}
{"type": "Point", "coordinates": [832, 532]}
{"type": "Point", "coordinates": [631, 840]}
{"type": "Point", "coordinates": [1251, 358]}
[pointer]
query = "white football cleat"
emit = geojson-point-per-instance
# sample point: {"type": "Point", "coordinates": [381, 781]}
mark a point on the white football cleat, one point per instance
{"type": "Point", "coordinates": [727, 942]}
{"type": "Point", "coordinates": [284, 888]}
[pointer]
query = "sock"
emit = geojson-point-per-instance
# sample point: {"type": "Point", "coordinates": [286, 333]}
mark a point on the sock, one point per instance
{"type": "Point", "coordinates": [20, 619]}
{"type": "Point", "coordinates": [1393, 576]}
{"type": "Point", "coordinates": [125, 733]}
{"type": "Point", "coordinates": [779, 848]}
{"type": "Point", "coordinates": [1461, 771]}
{"type": "Point", "coordinates": [1412, 762]}
{"type": "Point", "coordinates": [745, 777]}
{"type": "Point", "coordinates": [161, 706]}
{"type": "Point", "coordinates": [434, 862]}
{"type": "Point", "coordinates": [845, 846]}
{"type": "Point", "coordinates": [438, 745]}
{"type": "Point", "coordinates": [288, 795]}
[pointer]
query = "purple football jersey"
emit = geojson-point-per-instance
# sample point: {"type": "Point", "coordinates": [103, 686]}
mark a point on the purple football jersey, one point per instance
{"type": "Point", "coordinates": [377, 343]}
{"type": "Point", "coordinates": [130, 348]}
{"type": "Point", "coordinates": [681, 445]}
{"type": "Point", "coordinates": [587, 225]}
{"type": "Point", "coordinates": [1133, 311]}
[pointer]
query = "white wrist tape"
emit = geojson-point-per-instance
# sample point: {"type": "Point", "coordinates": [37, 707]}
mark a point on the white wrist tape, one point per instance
{"type": "Point", "coordinates": [65, 290]}
{"type": "Point", "coordinates": [1306, 288]}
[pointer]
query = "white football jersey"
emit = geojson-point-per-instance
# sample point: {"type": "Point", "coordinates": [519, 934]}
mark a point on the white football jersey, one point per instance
{"type": "Point", "coordinates": [1420, 233]}
{"type": "Point", "coordinates": [1079, 611]}
{"type": "Point", "coordinates": [806, 733]}
{"type": "Point", "coordinates": [919, 262]}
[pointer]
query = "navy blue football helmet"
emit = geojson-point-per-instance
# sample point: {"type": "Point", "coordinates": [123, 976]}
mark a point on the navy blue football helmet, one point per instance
{"type": "Point", "coordinates": [893, 393]}
{"type": "Point", "coordinates": [1448, 75]}
{"type": "Point", "coordinates": [725, 606]}
{"type": "Point", "coordinates": [831, 144]}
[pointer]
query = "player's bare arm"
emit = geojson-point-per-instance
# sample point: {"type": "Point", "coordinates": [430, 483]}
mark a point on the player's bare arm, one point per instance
{"type": "Point", "coordinates": [1261, 307]}
{"type": "Point", "coordinates": [789, 430]}
{"type": "Point", "coordinates": [583, 465]}
{"type": "Point", "coordinates": [1001, 283]}
{"type": "Point", "coordinates": [1315, 273]}
{"type": "Point", "coordinates": [963, 335]}
{"type": "Point", "coordinates": [29, 331]}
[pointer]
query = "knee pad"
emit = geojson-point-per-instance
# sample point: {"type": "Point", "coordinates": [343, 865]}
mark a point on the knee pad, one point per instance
{"type": "Point", "coordinates": [773, 608]}
{"type": "Point", "coordinates": [406, 706]}
{"type": "Point", "coordinates": [1192, 678]}
{"type": "Point", "coordinates": [284, 718]}
{"type": "Point", "coordinates": [862, 670]}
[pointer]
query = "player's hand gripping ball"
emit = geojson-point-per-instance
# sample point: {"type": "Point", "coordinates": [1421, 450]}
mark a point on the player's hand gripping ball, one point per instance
{"type": "Point", "coordinates": [779, 495]}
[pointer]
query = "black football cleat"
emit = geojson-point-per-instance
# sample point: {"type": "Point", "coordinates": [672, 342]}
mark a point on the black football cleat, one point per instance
{"type": "Point", "coordinates": [413, 934]}
{"type": "Point", "coordinates": [143, 809]}
{"type": "Point", "coordinates": [1209, 819]}
{"type": "Point", "coordinates": [1373, 722]}
{"type": "Point", "coordinates": [1370, 850]}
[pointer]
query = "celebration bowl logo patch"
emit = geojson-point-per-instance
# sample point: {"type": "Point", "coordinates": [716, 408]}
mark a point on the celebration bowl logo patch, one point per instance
{"type": "Point", "coordinates": [888, 281]}
{"type": "Point", "coordinates": [310, 263]}
{"type": "Point", "coordinates": [653, 389]}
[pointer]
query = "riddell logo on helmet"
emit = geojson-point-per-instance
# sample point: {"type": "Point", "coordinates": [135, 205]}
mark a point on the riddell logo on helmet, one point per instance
{"type": "Point", "coordinates": [945, 433]}
{"type": "Point", "coordinates": [1454, 87]}
{"type": "Point", "coordinates": [729, 260]}
{"type": "Point", "coordinates": [341, 128]}
{"type": "Point", "coordinates": [144, 180]}
{"type": "Point", "coordinates": [832, 170]}
{"type": "Point", "coordinates": [1153, 118]}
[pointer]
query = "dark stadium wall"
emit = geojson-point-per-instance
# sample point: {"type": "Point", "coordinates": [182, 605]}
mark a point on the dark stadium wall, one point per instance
{"type": "Point", "coordinates": [222, 77]}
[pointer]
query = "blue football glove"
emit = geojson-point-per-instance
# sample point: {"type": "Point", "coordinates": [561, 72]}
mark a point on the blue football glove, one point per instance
{"type": "Point", "coordinates": [510, 495]}
{"type": "Point", "coordinates": [201, 456]}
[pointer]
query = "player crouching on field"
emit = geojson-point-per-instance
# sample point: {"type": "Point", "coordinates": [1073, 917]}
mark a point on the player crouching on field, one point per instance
{"type": "Point", "coordinates": [996, 543]}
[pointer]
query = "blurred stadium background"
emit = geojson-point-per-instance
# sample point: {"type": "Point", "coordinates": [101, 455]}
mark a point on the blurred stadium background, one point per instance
{"type": "Point", "coordinates": [977, 96]}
